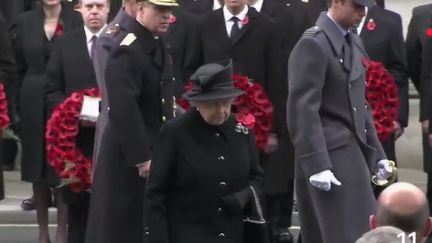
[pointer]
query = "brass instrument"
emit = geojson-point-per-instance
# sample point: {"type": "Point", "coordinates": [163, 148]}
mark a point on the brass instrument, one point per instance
{"type": "Point", "coordinates": [389, 180]}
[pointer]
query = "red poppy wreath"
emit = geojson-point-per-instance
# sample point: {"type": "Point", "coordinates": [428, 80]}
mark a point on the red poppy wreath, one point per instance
{"type": "Point", "coordinates": [253, 110]}
{"type": "Point", "coordinates": [382, 96]}
{"type": "Point", "coordinates": [73, 168]}
{"type": "Point", "coordinates": [4, 118]}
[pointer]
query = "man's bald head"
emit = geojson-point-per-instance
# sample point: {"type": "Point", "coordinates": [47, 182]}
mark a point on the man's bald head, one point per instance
{"type": "Point", "coordinates": [404, 206]}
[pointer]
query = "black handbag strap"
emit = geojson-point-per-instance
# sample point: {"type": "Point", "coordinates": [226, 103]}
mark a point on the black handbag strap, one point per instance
{"type": "Point", "coordinates": [257, 208]}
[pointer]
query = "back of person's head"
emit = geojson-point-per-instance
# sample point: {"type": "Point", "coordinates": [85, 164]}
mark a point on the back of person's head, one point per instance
{"type": "Point", "coordinates": [384, 234]}
{"type": "Point", "coordinates": [404, 206]}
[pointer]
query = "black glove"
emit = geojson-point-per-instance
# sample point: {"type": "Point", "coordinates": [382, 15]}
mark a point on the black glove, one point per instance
{"type": "Point", "coordinates": [236, 201]}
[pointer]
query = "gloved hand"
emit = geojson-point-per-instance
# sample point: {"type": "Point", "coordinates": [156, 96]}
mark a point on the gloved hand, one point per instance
{"type": "Point", "coordinates": [235, 202]}
{"type": "Point", "coordinates": [323, 180]}
{"type": "Point", "coordinates": [384, 169]}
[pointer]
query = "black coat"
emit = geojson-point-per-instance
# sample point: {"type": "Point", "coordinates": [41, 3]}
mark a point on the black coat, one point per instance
{"type": "Point", "coordinates": [177, 38]}
{"type": "Point", "coordinates": [415, 39]}
{"type": "Point", "coordinates": [256, 53]}
{"type": "Point", "coordinates": [31, 57]}
{"type": "Point", "coordinates": [385, 44]}
{"type": "Point", "coordinates": [197, 7]}
{"type": "Point", "coordinates": [68, 70]}
{"type": "Point", "coordinates": [194, 166]}
{"type": "Point", "coordinates": [140, 89]}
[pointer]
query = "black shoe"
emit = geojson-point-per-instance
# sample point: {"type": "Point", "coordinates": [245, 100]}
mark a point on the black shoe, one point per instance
{"type": "Point", "coordinates": [28, 204]}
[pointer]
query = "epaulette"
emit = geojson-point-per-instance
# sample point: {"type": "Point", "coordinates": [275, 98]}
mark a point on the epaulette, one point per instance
{"type": "Point", "coordinates": [129, 38]}
{"type": "Point", "coordinates": [112, 29]}
{"type": "Point", "coordinates": [312, 31]}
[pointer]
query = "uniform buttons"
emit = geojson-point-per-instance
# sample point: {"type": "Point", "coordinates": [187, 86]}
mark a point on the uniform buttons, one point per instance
{"type": "Point", "coordinates": [108, 108]}
{"type": "Point", "coordinates": [366, 107]}
{"type": "Point", "coordinates": [220, 210]}
{"type": "Point", "coordinates": [163, 118]}
{"type": "Point", "coordinates": [354, 109]}
{"type": "Point", "coordinates": [217, 134]}
{"type": "Point", "coordinates": [365, 82]}
{"type": "Point", "coordinates": [173, 79]}
{"type": "Point", "coordinates": [365, 130]}
{"type": "Point", "coordinates": [349, 86]}
{"type": "Point", "coordinates": [221, 158]}
{"type": "Point", "coordinates": [161, 83]}
{"type": "Point", "coordinates": [341, 60]}
{"type": "Point", "coordinates": [163, 101]}
{"type": "Point", "coordinates": [221, 235]}
{"type": "Point", "coordinates": [288, 4]}
{"type": "Point", "coordinates": [222, 184]}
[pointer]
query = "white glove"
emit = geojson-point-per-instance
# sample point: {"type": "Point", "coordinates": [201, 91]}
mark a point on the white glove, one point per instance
{"type": "Point", "coordinates": [323, 180]}
{"type": "Point", "coordinates": [384, 170]}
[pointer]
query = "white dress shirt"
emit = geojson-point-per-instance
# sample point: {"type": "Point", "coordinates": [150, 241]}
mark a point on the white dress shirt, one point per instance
{"type": "Point", "coordinates": [89, 36]}
{"type": "Point", "coordinates": [216, 4]}
{"type": "Point", "coordinates": [362, 22]}
{"type": "Point", "coordinates": [258, 5]}
{"type": "Point", "coordinates": [228, 15]}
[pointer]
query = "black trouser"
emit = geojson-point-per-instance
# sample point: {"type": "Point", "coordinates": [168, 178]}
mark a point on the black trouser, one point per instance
{"type": "Point", "coordinates": [279, 209]}
{"type": "Point", "coordinates": [78, 208]}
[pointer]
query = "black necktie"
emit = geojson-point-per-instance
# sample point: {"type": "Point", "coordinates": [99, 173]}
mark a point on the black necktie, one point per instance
{"type": "Point", "coordinates": [347, 50]}
{"type": "Point", "coordinates": [93, 42]}
{"type": "Point", "coordinates": [235, 30]}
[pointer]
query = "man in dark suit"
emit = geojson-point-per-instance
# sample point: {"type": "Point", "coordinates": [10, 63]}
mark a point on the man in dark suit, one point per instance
{"type": "Point", "coordinates": [250, 39]}
{"type": "Point", "coordinates": [331, 128]}
{"type": "Point", "coordinates": [70, 69]}
{"type": "Point", "coordinates": [7, 71]}
{"type": "Point", "coordinates": [113, 34]}
{"type": "Point", "coordinates": [140, 88]}
{"type": "Point", "coordinates": [384, 43]}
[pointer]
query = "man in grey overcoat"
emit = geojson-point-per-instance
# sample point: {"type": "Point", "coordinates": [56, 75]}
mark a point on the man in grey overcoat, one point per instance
{"type": "Point", "coordinates": [336, 147]}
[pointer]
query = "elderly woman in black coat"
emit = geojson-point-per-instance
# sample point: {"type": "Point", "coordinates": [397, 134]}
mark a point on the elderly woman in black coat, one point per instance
{"type": "Point", "coordinates": [202, 168]}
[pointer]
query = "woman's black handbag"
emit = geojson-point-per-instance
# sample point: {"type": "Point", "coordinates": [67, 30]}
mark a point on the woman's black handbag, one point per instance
{"type": "Point", "coordinates": [255, 228]}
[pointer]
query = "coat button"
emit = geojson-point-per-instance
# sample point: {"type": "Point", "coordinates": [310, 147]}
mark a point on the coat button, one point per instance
{"type": "Point", "coordinates": [163, 118]}
{"type": "Point", "coordinates": [163, 101]}
{"type": "Point", "coordinates": [221, 235]}
{"type": "Point", "coordinates": [288, 4]}
{"type": "Point", "coordinates": [354, 109]}
{"type": "Point", "coordinates": [366, 107]}
{"type": "Point", "coordinates": [365, 130]}
{"type": "Point", "coordinates": [222, 184]}
{"type": "Point", "coordinates": [173, 79]}
{"type": "Point", "coordinates": [217, 134]}
{"type": "Point", "coordinates": [221, 158]}
{"type": "Point", "coordinates": [220, 210]}
{"type": "Point", "coordinates": [341, 60]}
{"type": "Point", "coordinates": [349, 86]}
{"type": "Point", "coordinates": [161, 83]}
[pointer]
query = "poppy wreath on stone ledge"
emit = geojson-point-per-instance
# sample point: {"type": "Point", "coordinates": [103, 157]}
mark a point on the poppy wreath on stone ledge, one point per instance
{"type": "Point", "coordinates": [68, 161]}
{"type": "Point", "coordinates": [382, 96]}
{"type": "Point", "coordinates": [252, 109]}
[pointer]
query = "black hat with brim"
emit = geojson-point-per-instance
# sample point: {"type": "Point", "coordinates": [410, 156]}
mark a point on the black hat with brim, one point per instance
{"type": "Point", "coordinates": [212, 81]}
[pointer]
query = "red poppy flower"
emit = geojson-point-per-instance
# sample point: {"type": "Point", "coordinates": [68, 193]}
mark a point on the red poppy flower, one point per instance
{"type": "Point", "coordinates": [245, 20]}
{"type": "Point", "coordinates": [172, 19]}
{"type": "Point", "coordinates": [248, 120]}
{"type": "Point", "coordinates": [371, 25]}
{"type": "Point", "coordinates": [59, 28]}
{"type": "Point", "coordinates": [429, 32]}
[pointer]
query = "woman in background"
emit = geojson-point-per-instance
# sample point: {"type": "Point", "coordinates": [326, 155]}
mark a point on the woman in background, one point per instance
{"type": "Point", "coordinates": [33, 35]}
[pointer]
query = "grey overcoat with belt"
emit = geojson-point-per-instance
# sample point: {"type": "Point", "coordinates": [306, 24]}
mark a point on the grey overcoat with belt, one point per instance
{"type": "Point", "coordinates": [331, 129]}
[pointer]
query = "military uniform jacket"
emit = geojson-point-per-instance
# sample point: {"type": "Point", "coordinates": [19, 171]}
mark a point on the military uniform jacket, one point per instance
{"type": "Point", "coordinates": [194, 166]}
{"type": "Point", "coordinates": [385, 44]}
{"type": "Point", "coordinates": [140, 87]}
{"type": "Point", "coordinates": [112, 36]}
{"type": "Point", "coordinates": [332, 129]}
{"type": "Point", "coordinates": [140, 93]}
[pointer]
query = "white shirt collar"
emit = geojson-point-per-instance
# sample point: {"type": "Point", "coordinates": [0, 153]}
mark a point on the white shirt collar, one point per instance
{"type": "Point", "coordinates": [362, 22]}
{"type": "Point", "coordinates": [90, 34]}
{"type": "Point", "coordinates": [228, 15]}
{"type": "Point", "coordinates": [258, 5]}
{"type": "Point", "coordinates": [216, 4]}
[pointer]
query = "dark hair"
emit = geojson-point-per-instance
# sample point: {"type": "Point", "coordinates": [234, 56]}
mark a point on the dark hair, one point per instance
{"type": "Point", "coordinates": [413, 222]}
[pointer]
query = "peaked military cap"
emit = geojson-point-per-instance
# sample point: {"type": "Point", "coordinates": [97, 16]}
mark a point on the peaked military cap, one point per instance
{"type": "Point", "coordinates": [212, 81]}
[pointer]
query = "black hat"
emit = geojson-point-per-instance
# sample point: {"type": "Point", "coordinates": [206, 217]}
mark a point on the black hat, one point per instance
{"type": "Point", "coordinates": [212, 81]}
{"type": "Point", "coordinates": [365, 3]}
